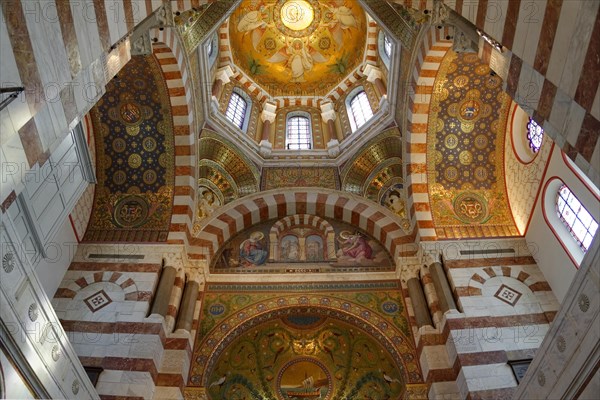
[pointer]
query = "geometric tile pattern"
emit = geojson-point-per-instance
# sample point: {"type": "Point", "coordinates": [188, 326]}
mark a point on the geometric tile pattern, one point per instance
{"type": "Point", "coordinates": [508, 295]}
{"type": "Point", "coordinates": [97, 301]}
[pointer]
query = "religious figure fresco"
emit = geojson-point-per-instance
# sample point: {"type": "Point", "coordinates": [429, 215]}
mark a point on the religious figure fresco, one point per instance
{"type": "Point", "coordinates": [253, 251]}
{"type": "Point", "coordinates": [302, 42]}
{"type": "Point", "coordinates": [300, 247]}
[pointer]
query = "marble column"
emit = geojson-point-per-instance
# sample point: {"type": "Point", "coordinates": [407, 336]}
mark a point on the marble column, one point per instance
{"type": "Point", "coordinates": [185, 318]}
{"type": "Point", "coordinates": [375, 76]}
{"type": "Point", "coordinates": [222, 78]}
{"type": "Point", "coordinates": [267, 116]}
{"type": "Point", "coordinates": [410, 274]}
{"type": "Point", "coordinates": [442, 287]}
{"type": "Point", "coordinates": [160, 305]}
{"type": "Point", "coordinates": [332, 139]}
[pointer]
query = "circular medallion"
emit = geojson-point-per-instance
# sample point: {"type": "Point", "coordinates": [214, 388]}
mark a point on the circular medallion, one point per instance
{"type": "Point", "coordinates": [470, 207]}
{"type": "Point", "coordinates": [451, 141]}
{"type": "Point", "coordinates": [297, 14]}
{"type": "Point", "coordinates": [119, 145]}
{"type": "Point", "coordinates": [469, 110]}
{"type": "Point", "coordinates": [8, 262]}
{"type": "Point", "coordinates": [297, 18]}
{"type": "Point", "coordinates": [131, 211]}
{"type": "Point", "coordinates": [55, 352]}
{"type": "Point", "coordinates": [304, 378]}
{"type": "Point", "coordinates": [583, 302]}
{"type": "Point", "coordinates": [461, 81]}
{"type": "Point", "coordinates": [390, 307]}
{"type": "Point", "coordinates": [561, 344]}
{"type": "Point", "coordinates": [75, 386]}
{"type": "Point", "coordinates": [33, 312]}
{"type": "Point", "coordinates": [119, 177]}
{"type": "Point", "coordinates": [133, 130]}
{"type": "Point", "coordinates": [481, 174]}
{"type": "Point", "coordinates": [149, 177]}
{"type": "Point", "coordinates": [541, 378]}
{"type": "Point", "coordinates": [163, 160]}
{"type": "Point", "coordinates": [465, 157]}
{"type": "Point", "coordinates": [216, 309]}
{"type": "Point", "coordinates": [451, 174]}
{"type": "Point", "coordinates": [134, 161]}
{"type": "Point", "coordinates": [481, 141]}
{"type": "Point", "coordinates": [149, 144]}
{"type": "Point", "coordinates": [130, 113]}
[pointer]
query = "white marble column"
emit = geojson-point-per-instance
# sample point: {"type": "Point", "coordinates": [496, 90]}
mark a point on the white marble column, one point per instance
{"type": "Point", "coordinates": [329, 115]}
{"type": "Point", "coordinates": [267, 117]}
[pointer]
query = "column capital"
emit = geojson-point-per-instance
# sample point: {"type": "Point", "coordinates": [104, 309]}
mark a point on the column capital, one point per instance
{"type": "Point", "coordinates": [224, 74]}
{"type": "Point", "coordinates": [410, 271]}
{"type": "Point", "coordinates": [327, 112]}
{"type": "Point", "coordinates": [269, 112]}
{"type": "Point", "coordinates": [373, 73]}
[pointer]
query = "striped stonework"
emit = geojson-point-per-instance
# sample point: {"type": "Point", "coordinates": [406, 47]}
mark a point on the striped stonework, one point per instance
{"type": "Point", "coordinates": [466, 352]}
{"type": "Point", "coordinates": [376, 220]}
{"type": "Point", "coordinates": [551, 66]}
{"type": "Point", "coordinates": [61, 84]}
{"type": "Point", "coordinates": [103, 308]}
{"type": "Point", "coordinates": [429, 57]}
{"type": "Point", "coordinates": [176, 72]}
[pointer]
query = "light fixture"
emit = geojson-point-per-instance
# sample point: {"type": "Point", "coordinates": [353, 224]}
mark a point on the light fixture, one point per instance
{"type": "Point", "coordinates": [297, 14]}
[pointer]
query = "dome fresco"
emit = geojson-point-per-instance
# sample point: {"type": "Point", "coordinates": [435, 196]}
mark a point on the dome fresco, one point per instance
{"type": "Point", "coordinates": [298, 47]}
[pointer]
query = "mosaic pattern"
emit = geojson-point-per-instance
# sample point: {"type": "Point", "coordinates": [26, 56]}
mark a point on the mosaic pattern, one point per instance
{"type": "Point", "coordinates": [310, 61]}
{"type": "Point", "coordinates": [355, 333]}
{"type": "Point", "coordinates": [375, 165]}
{"type": "Point", "coordinates": [467, 123]}
{"type": "Point", "coordinates": [274, 178]}
{"type": "Point", "coordinates": [135, 157]}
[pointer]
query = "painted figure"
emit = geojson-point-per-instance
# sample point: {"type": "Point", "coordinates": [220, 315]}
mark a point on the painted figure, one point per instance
{"type": "Point", "coordinates": [252, 252]}
{"type": "Point", "coordinates": [354, 246]}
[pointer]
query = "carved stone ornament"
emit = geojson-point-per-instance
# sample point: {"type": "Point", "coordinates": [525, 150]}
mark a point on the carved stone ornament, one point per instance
{"type": "Point", "coordinates": [8, 262]}
{"type": "Point", "coordinates": [75, 386]}
{"type": "Point", "coordinates": [33, 312]}
{"type": "Point", "coordinates": [191, 393]}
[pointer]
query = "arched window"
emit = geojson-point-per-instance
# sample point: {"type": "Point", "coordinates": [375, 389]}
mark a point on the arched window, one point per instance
{"type": "Point", "coordinates": [360, 109]}
{"type": "Point", "coordinates": [387, 46]}
{"type": "Point", "coordinates": [298, 131]}
{"type": "Point", "coordinates": [238, 109]}
{"type": "Point", "coordinates": [535, 135]}
{"type": "Point", "coordinates": [212, 49]}
{"type": "Point", "coordinates": [579, 222]}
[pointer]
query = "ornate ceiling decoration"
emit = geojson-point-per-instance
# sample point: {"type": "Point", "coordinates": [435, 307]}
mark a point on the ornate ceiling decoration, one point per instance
{"type": "Point", "coordinates": [367, 167]}
{"type": "Point", "coordinates": [292, 46]}
{"type": "Point", "coordinates": [465, 150]}
{"type": "Point", "coordinates": [135, 157]}
{"type": "Point", "coordinates": [228, 170]}
{"type": "Point", "coordinates": [359, 342]}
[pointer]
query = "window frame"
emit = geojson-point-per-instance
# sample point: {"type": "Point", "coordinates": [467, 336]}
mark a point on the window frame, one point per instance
{"type": "Point", "coordinates": [568, 205]}
{"type": "Point", "coordinates": [243, 124]}
{"type": "Point", "coordinates": [354, 94]}
{"type": "Point", "coordinates": [298, 114]}
{"type": "Point", "coordinates": [382, 49]}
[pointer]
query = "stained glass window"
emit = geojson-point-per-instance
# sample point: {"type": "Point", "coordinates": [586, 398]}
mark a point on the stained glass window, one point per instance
{"type": "Point", "coordinates": [581, 225]}
{"type": "Point", "coordinates": [535, 134]}
{"type": "Point", "coordinates": [361, 109]}
{"type": "Point", "coordinates": [236, 110]}
{"type": "Point", "coordinates": [298, 133]}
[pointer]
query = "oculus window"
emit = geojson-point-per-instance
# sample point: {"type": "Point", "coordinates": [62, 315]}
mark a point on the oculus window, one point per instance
{"type": "Point", "coordinates": [535, 135]}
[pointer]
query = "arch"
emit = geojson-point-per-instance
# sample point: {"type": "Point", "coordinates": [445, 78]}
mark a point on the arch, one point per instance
{"type": "Point", "coordinates": [177, 73]}
{"type": "Point", "coordinates": [389, 336]}
{"type": "Point", "coordinates": [286, 223]}
{"type": "Point", "coordinates": [427, 61]}
{"type": "Point", "coordinates": [376, 220]}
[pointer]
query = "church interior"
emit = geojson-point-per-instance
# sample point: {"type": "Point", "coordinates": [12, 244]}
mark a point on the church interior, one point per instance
{"type": "Point", "coordinates": [299, 199]}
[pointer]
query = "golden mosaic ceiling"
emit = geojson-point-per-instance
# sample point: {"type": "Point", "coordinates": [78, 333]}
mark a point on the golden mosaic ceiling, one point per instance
{"type": "Point", "coordinates": [231, 173]}
{"type": "Point", "coordinates": [298, 46]}
{"type": "Point", "coordinates": [467, 123]}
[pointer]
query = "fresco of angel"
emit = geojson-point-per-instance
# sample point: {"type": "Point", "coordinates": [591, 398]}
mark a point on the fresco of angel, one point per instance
{"type": "Point", "coordinates": [299, 58]}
